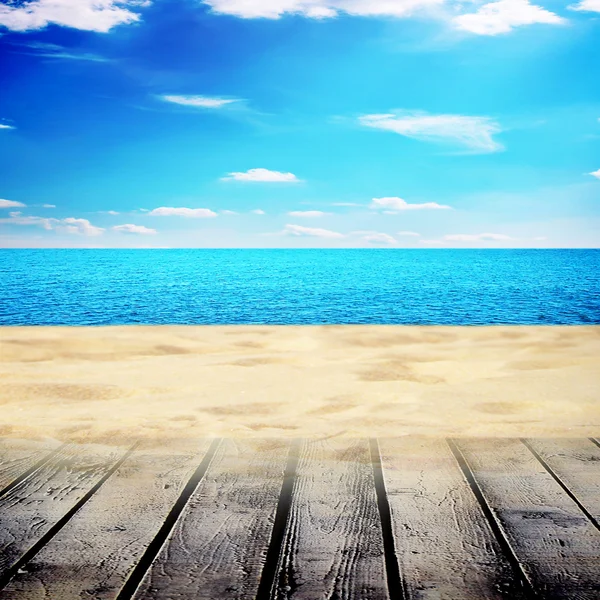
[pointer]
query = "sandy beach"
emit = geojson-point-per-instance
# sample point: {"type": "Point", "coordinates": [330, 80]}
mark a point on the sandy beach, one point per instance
{"type": "Point", "coordinates": [154, 383]}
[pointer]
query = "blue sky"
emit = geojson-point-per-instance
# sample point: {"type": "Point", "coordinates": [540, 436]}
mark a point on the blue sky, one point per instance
{"type": "Point", "coordinates": [299, 123]}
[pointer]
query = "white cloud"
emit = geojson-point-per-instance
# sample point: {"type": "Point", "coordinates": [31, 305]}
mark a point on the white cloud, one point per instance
{"type": "Point", "coordinates": [69, 225]}
{"type": "Point", "coordinates": [595, 174]}
{"type": "Point", "coordinates": [229, 212]}
{"type": "Point", "coordinates": [3, 126]}
{"type": "Point", "coordinates": [88, 15]}
{"type": "Point", "coordinates": [587, 6]}
{"type": "Point", "coordinates": [502, 16]}
{"type": "Point", "coordinates": [137, 229]}
{"type": "Point", "coordinates": [48, 205]}
{"type": "Point", "coordinates": [10, 204]}
{"type": "Point", "coordinates": [199, 101]}
{"type": "Point", "coordinates": [308, 214]}
{"type": "Point", "coordinates": [380, 238]}
{"type": "Point", "coordinates": [258, 211]}
{"type": "Point", "coordinates": [189, 213]}
{"type": "Point", "coordinates": [319, 9]}
{"type": "Point", "coordinates": [474, 133]}
{"type": "Point", "coordinates": [298, 230]}
{"type": "Point", "coordinates": [409, 234]}
{"type": "Point", "coordinates": [478, 237]}
{"type": "Point", "coordinates": [262, 175]}
{"type": "Point", "coordinates": [397, 204]}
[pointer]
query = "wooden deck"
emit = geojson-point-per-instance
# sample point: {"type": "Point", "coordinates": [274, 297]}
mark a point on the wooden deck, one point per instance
{"type": "Point", "coordinates": [334, 519]}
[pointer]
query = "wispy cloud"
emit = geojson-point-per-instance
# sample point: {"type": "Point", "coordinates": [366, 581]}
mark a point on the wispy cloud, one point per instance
{"type": "Point", "coordinates": [229, 212]}
{"type": "Point", "coordinates": [586, 6]}
{"type": "Point", "coordinates": [10, 204]}
{"type": "Point", "coordinates": [3, 126]}
{"type": "Point", "coordinates": [258, 211]}
{"type": "Point", "coordinates": [394, 204]}
{"type": "Point", "coordinates": [380, 238]}
{"type": "Point", "coordinates": [595, 174]}
{"type": "Point", "coordinates": [48, 205]}
{"type": "Point", "coordinates": [473, 133]}
{"type": "Point", "coordinates": [189, 213]}
{"type": "Point", "coordinates": [409, 234]}
{"type": "Point", "coordinates": [478, 237]}
{"type": "Point", "coordinates": [261, 175]}
{"type": "Point", "coordinates": [200, 101]}
{"type": "Point", "coordinates": [307, 214]}
{"type": "Point", "coordinates": [69, 225]}
{"type": "Point", "coordinates": [135, 229]}
{"type": "Point", "coordinates": [501, 17]}
{"type": "Point", "coordinates": [300, 231]}
{"type": "Point", "coordinates": [88, 15]}
{"type": "Point", "coordinates": [319, 9]}
{"type": "Point", "coordinates": [47, 50]}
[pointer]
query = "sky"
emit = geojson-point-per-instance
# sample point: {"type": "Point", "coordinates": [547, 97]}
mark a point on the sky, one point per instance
{"type": "Point", "coordinates": [299, 123]}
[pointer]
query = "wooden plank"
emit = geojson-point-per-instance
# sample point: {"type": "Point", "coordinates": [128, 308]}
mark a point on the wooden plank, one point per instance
{"type": "Point", "coordinates": [92, 556]}
{"type": "Point", "coordinates": [218, 546]}
{"type": "Point", "coordinates": [18, 456]}
{"type": "Point", "coordinates": [556, 544]}
{"type": "Point", "coordinates": [444, 544]}
{"type": "Point", "coordinates": [333, 545]}
{"type": "Point", "coordinates": [35, 505]}
{"type": "Point", "coordinates": [576, 462]}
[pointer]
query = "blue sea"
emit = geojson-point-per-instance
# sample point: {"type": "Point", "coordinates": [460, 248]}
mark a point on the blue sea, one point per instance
{"type": "Point", "coordinates": [295, 287]}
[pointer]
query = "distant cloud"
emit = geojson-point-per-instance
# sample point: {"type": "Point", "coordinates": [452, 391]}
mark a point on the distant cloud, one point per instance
{"type": "Point", "coordinates": [308, 214]}
{"type": "Point", "coordinates": [318, 9]}
{"type": "Point", "coordinates": [136, 229]}
{"type": "Point", "coordinates": [69, 225]}
{"type": "Point", "coordinates": [408, 234]}
{"type": "Point", "coordinates": [87, 15]}
{"type": "Point", "coordinates": [258, 211]}
{"type": "Point", "coordinates": [502, 16]}
{"type": "Point", "coordinates": [263, 175]}
{"type": "Point", "coordinates": [397, 204]}
{"type": "Point", "coordinates": [189, 213]}
{"type": "Point", "coordinates": [3, 126]}
{"type": "Point", "coordinates": [431, 242]}
{"type": "Point", "coordinates": [474, 133]}
{"type": "Point", "coordinates": [380, 238]}
{"type": "Point", "coordinates": [47, 50]}
{"type": "Point", "coordinates": [298, 230]}
{"type": "Point", "coordinates": [229, 212]}
{"type": "Point", "coordinates": [587, 6]}
{"type": "Point", "coordinates": [199, 101]}
{"type": "Point", "coordinates": [478, 237]}
{"type": "Point", "coordinates": [10, 204]}
{"type": "Point", "coordinates": [48, 205]}
{"type": "Point", "coordinates": [595, 174]}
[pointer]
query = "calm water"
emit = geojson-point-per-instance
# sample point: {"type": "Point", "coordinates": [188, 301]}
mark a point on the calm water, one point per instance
{"type": "Point", "coordinates": [453, 287]}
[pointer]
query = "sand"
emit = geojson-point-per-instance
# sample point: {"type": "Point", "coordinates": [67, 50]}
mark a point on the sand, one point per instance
{"type": "Point", "coordinates": [108, 384]}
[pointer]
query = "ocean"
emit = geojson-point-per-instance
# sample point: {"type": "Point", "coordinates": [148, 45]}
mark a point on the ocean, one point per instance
{"type": "Point", "coordinates": [299, 287]}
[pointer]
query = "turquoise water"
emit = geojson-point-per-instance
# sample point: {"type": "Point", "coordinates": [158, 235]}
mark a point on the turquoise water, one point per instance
{"type": "Point", "coordinates": [449, 287]}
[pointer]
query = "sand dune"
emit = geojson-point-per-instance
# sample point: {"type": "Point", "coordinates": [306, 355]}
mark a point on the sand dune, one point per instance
{"type": "Point", "coordinates": [106, 384]}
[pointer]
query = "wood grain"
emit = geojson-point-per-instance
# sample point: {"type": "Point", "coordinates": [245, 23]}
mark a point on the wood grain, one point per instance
{"type": "Point", "coordinates": [333, 546]}
{"type": "Point", "coordinates": [443, 542]}
{"type": "Point", "coordinates": [31, 508]}
{"type": "Point", "coordinates": [218, 547]}
{"type": "Point", "coordinates": [557, 545]}
{"type": "Point", "coordinates": [18, 456]}
{"type": "Point", "coordinates": [576, 462]}
{"type": "Point", "coordinates": [94, 553]}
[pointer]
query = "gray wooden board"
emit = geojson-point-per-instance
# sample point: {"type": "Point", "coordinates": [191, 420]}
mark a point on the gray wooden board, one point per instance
{"type": "Point", "coordinates": [17, 456]}
{"type": "Point", "coordinates": [333, 546]}
{"type": "Point", "coordinates": [94, 553]}
{"type": "Point", "coordinates": [445, 547]}
{"type": "Point", "coordinates": [218, 546]}
{"type": "Point", "coordinates": [557, 545]}
{"type": "Point", "coordinates": [38, 502]}
{"type": "Point", "coordinates": [577, 463]}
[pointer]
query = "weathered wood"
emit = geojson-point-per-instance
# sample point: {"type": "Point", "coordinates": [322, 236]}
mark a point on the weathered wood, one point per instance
{"type": "Point", "coordinates": [18, 456]}
{"type": "Point", "coordinates": [31, 508]}
{"type": "Point", "coordinates": [576, 462]}
{"type": "Point", "coordinates": [218, 547]}
{"type": "Point", "coordinates": [443, 542]}
{"type": "Point", "coordinates": [557, 545]}
{"type": "Point", "coordinates": [333, 546]}
{"type": "Point", "coordinates": [92, 556]}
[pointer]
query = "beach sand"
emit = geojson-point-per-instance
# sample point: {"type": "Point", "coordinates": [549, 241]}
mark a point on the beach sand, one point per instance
{"type": "Point", "coordinates": [107, 384]}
